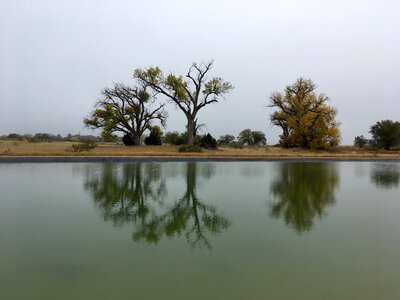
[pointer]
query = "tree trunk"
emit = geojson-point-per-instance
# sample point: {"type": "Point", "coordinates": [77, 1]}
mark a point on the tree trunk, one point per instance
{"type": "Point", "coordinates": [136, 139]}
{"type": "Point", "coordinates": [190, 131]}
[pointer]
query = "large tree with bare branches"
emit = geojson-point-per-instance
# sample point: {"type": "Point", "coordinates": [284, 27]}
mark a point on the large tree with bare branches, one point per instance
{"type": "Point", "coordinates": [126, 109]}
{"type": "Point", "coordinates": [188, 95]}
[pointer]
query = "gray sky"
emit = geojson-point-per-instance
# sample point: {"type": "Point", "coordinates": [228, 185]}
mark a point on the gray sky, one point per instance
{"type": "Point", "coordinates": [56, 56]}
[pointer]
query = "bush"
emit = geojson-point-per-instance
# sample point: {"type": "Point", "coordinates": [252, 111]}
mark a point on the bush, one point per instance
{"type": "Point", "coordinates": [189, 148]}
{"type": "Point", "coordinates": [360, 141]}
{"type": "Point", "coordinates": [128, 140]}
{"type": "Point", "coordinates": [155, 136]}
{"type": "Point", "coordinates": [208, 142]}
{"type": "Point", "coordinates": [197, 140]}
{"type": "Point", "coordinates": [83, 146]}
{"type": "Point", "coordinates": [174, 138]}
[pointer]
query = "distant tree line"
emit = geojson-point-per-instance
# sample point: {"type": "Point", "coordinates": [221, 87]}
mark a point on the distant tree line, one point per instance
{"type": "Point", "coordinates": [245, 137]}
{"type": "Point", "coordinates": [48, 137]}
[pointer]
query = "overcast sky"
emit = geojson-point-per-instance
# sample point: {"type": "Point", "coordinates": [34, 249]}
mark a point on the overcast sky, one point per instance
{"type": "Point", "coordinates": [56, 56]}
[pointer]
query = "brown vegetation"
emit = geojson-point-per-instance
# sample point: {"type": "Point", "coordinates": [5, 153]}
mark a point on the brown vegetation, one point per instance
{"type": "Point", "coordinates": [24, 148]}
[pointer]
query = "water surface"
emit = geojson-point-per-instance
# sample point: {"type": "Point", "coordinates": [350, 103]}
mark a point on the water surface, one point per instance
{"type": "Point", "coordinates": [205, 230]}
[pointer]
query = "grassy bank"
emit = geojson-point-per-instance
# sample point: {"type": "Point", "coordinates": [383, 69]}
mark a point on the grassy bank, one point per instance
{"type": "Point", "coordinates": [24, 148]}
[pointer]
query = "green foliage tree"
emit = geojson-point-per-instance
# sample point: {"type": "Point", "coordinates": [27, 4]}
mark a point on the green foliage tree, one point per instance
{"type": "Point", "coordinates": [360, 141]}
{"type": "Point", "coordinates": [305, 118]}
{"type": "Point", "coordinates": [126, 109]}
{"type": "Point", "coordinates": [189, 95]}
{"type": "Point", "coordinates": [252, 138]}
{"type": "Point", "coordinates": [386, 134]}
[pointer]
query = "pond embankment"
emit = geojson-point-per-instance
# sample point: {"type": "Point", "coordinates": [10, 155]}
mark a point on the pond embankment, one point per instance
{"type": "Point", "coordinates": [23, 151]}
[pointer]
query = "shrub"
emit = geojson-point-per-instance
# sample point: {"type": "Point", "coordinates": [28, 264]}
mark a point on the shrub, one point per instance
{"type": "Point", "coordinates": [128, 140]}
{"type": "Point", "coordinates": [174, 138]}
{"type": "Point", "coordinates": [208, 142]}
{"type": "Point", "coordinates": [84, 146]}
{"type": "Point", "coordinates": [189, 148]}
{"type": "Point", "coordinates": [155, 136]}
{"type": "Point", "coordinates": [360, 141]}
{"type": "Point", "coordinates": [197, 140]}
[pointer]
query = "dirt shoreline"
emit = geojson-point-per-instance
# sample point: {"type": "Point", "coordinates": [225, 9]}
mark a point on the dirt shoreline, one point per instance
{"type": "Point", "coordinates": [24, 151]}
{"type": "Point", "coordinates": [88, 159]}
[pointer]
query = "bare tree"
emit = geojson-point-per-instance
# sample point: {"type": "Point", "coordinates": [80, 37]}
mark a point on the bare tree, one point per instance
{"type": "Point", "coordinates": [126, 109]}
{"type": "Point", "coordinates": [189, 95]}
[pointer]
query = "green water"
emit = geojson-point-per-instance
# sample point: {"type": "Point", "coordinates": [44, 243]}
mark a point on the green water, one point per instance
{"type": "Point", "coordinates": [205, 230]}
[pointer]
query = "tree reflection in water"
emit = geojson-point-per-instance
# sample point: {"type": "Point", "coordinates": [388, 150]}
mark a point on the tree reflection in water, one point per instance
{"type": "Point", "coordinates": [124, 195]}
{"type": "Point", "coordinates": [302, 192]}
{"type": "Point", "coordinates": [189, 215]}
{"type": "Point", "coordinates": [136, 194]}
{"type": "Point", "coordinates": [385, 175]}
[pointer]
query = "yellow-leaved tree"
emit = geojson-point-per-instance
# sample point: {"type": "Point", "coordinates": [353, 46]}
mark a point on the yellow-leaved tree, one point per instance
{"type": "Point", "coordinates": [305, 118]}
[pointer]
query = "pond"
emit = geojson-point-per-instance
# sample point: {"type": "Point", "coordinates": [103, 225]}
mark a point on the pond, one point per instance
{"type": "Point", "coordinates": [200, 230]}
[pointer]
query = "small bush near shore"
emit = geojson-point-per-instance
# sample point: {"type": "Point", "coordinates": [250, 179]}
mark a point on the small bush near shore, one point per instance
{"type": "Point", "coordinates": [83, 146]}
{"type": "Point", "coordinates": [155, 136]}
{"type": "Point", "coordinates": [174, 138]}
{"type": "Point", "coordinates": [189, 148]}
{"type": "Point", "coordinates": [127, 139]}
{"type": "Point", "coordinates": [177, 139]}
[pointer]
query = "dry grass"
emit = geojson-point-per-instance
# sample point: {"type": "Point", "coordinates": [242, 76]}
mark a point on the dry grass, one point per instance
{"type": "Point", "coordinates": [24, 148]}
